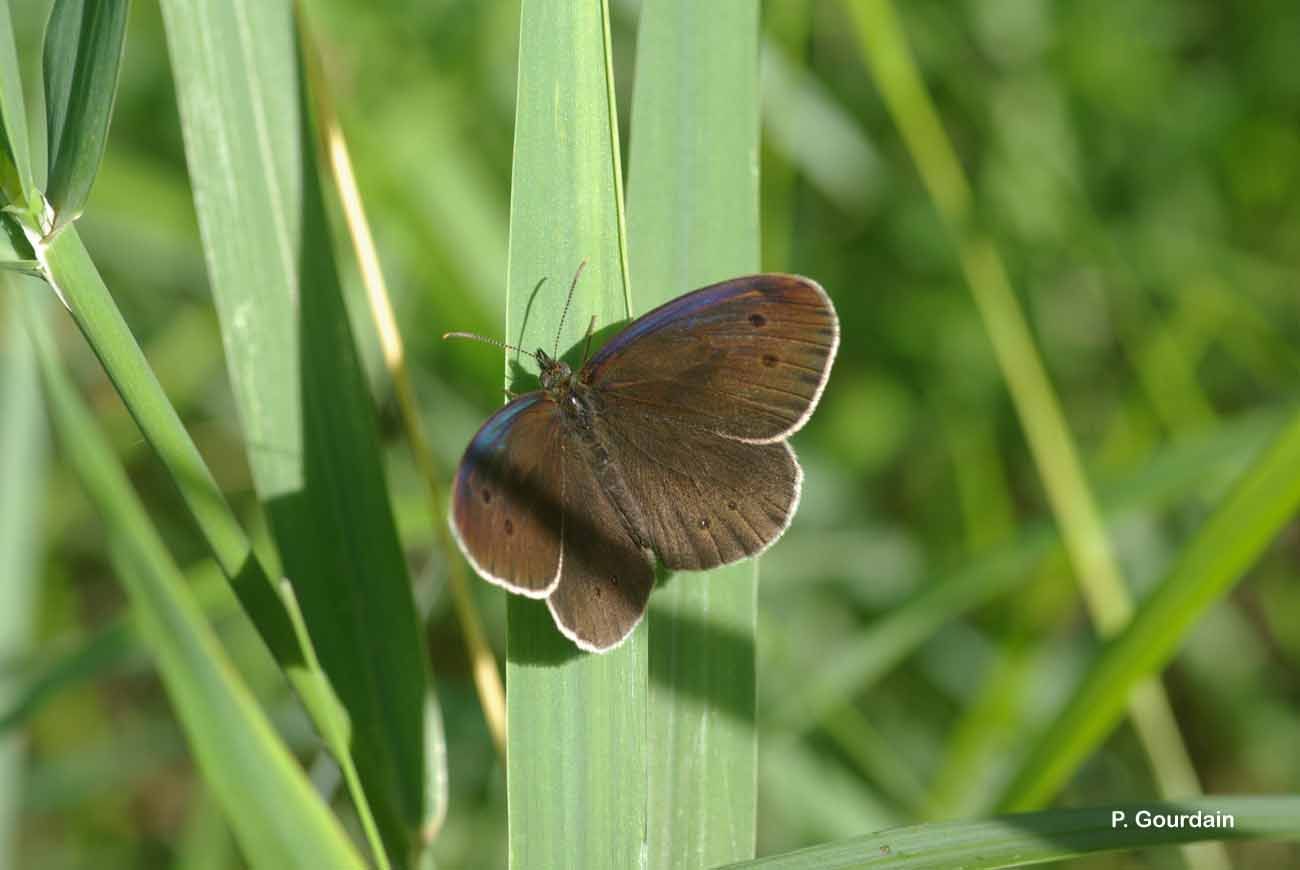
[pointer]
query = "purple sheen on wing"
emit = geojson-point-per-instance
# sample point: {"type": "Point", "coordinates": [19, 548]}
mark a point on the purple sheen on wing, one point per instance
{"type": "Point", "coordinates": [678, 309]}
{"type": "Point", "coordinates": [491, 436]}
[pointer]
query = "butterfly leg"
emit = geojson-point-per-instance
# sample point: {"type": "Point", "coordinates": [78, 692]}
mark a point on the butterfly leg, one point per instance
{"type": "Point", "coordinates": [591, 330]}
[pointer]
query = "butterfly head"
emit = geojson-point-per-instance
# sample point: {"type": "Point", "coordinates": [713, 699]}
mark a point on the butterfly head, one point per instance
{"type": "Point", "coordinates": [555, 375]}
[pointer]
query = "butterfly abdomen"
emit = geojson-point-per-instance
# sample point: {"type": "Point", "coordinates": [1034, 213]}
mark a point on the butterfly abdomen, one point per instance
{"type": "Point", "coordinates": [584, 429]}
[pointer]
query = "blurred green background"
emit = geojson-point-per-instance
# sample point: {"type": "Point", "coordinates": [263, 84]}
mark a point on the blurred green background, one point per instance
{"type": "Point", "coordinates": [1137, 163]}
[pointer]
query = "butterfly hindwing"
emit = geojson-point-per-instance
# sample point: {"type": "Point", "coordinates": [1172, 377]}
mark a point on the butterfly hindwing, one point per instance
{"type": "Point", "coordinates": [606, 578]}
{"type": "Point", "coordinates": [704, 500]}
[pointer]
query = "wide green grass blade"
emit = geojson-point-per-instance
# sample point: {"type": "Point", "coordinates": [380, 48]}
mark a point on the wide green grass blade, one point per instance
{"type": "Point", "coordinates": [278, 818]}
{"type": "Point", "coordinates": [83, 51]}
{"type": "Point", "coordinates": [304, 406]}
{"type": "Point", "coordinates": [1036, 838]}
{"type": "Point", "coordinates": [1252, 515]}
{"type": "Point", "coordinates": [22, 502]}
{"type": "Point", "coordinates": [692, 221]}
{"type": "Point", "coordinates": [16, 184]}
{"type": "Point", "coordinates": [576, 721]}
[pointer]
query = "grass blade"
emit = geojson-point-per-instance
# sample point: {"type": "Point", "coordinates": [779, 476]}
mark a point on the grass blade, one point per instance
{"type": "Point", "coordinates": [67, 266]}
{"type": "Point", "coordinates": [304, 407]}
{"type": "Point", "coordinates": [276, 815]}
{"type": "Point", "coordinates": [16, 184]}
{"type": "Point", "coordinates": [35, 685]}
{"type": "Point", "coordinates": [693, 220]}
{"type": "Point", "coordinates": [22, 502]}
{"type": "Point", "coordinates": [1035, 838]}
{"type": "Point", "coordinates": [487, 676]}
{"type": "Point", "coordinates": [576, 721]}
{"type": "Point", "coordinates": [205, 842]}
{"type": "Point", "coordinates": [859, 663]}
{"type": "Point", "coordinates": [83, 52]}
{"type": "Point", "coordinates": [1265, 498]}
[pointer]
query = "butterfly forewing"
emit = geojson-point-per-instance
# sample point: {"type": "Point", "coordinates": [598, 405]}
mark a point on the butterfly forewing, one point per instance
{"type": "Point", "coordinates": [507, 497]}
{"type": "Point", "coordinates": [746, 358]}
{"type": "Point", "coordinates": [606, 578]}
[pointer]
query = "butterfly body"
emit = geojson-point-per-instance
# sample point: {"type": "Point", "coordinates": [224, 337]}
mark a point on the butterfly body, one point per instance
{"type": "Point", "coordinates": [577, 411]}
{"type": "Point", "coordinates": [669, 443]}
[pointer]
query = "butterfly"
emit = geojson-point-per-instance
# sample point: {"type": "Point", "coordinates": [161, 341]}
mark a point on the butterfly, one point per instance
{"type": "Point", "coordinates": [669, 443]}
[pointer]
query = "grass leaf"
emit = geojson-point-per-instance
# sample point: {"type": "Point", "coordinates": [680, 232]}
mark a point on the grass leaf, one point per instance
{"type": "Point", "coordinates": [1243, 524]}
{"type": "Point", "coordinates": [305, 409]}
{"type": "Point", "coordinates": [857, 664]}
{"type": "Point", "coordinates": [1034, 838]}
{"type": "Point", "coordinates": [576, 721]}
{"type": "Point", "coordinates": [278, 818]}
{"type": "Point", "coordinates": [692, 221]}
{"type": "Point", "coordinates": [16, 184]}
{"type": "Point", "coordinates": [83, 51]}
{"type": "Point", "coordinates": [22, 502]}
{"type": "Point", "coordinates": [67, 266]}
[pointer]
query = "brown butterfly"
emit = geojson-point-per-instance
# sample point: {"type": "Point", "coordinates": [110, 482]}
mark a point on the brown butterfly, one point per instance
{"type": "Point", "coordinates": [670, 442]}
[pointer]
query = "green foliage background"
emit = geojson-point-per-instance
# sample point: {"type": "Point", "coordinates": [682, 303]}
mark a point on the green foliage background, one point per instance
{"type": "Point", "coordinates": [1135, 162]}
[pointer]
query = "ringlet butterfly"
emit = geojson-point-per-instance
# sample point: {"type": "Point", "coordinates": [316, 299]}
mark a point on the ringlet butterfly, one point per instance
{"type": "Point", "coordinates": [670, 442]}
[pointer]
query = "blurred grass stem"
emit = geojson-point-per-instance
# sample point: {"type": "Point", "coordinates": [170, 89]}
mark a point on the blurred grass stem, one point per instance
{"type": "Point", "coordinates": [1108, 602]}
{"type": "Point", "coordinates": [487, 677]}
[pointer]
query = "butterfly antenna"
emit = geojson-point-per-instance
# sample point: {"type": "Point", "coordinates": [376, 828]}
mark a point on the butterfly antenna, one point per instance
{"type": "Point", "coordinates": [473, 336]}
{"type": "Point", "coordinates": [565, 313]}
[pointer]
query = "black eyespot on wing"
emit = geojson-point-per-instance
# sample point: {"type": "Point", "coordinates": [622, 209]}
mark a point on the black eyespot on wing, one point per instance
{"type": "Point", "coordinates": [758, 320]}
